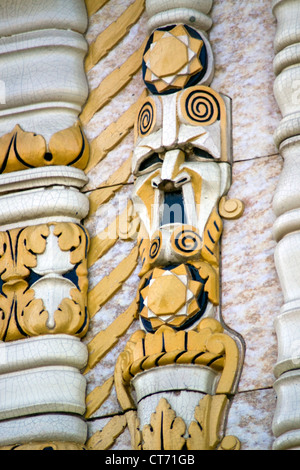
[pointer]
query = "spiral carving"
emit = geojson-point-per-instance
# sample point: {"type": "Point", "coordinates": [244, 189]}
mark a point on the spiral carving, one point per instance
{"type": "Point", "coordinates": [146, 118]}
{"type": "Point", "coordinates": [155, 246]}
{"type": "Point", "coordinates": [199, 106]}
{"type": "Point", "coordinates": [186, 241]}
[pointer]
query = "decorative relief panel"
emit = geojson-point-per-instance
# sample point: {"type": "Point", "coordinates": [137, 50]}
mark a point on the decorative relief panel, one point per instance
{"type": "Point", "coordinates": [43, 281]}
{"type": "Point", "coordinates": [182, 172]}
{"type": "Point", "coordinates": [23, 150]}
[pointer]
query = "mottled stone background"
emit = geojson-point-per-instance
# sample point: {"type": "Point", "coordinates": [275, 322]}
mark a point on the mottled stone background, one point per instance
{"type": "Point", "coordinates": [242, 40]}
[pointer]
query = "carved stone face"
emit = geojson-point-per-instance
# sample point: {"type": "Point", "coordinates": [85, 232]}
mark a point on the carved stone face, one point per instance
{"type": "Point", "coordinates": [182, 170]}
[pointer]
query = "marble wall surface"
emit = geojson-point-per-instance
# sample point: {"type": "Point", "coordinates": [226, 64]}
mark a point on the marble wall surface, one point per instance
{"type": "Point", "coordinates": [242, 39]}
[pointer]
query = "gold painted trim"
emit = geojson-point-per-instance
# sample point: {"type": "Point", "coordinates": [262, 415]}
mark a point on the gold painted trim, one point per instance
{"type": "Point", "coordinates": [107, 190]}
{"type": "Point", "coordinates": [99, 346]}
{"type": "Point", "coordinates": [103, 440]}
{"type": "Point", "coordinates": [97, 397]}
{"type": "Point", "coordinates": [93, 6]}
{"type": "Point", "coordinates": [110, 284]}
{"type": "Point", "coordinates": [111, 85]}
{"type": "Point", "coordinates": [113, 135]}
{"type": "Point", "coordinates": [113, 34]}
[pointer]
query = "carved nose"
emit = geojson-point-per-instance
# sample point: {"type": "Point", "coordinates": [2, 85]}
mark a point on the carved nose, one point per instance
{"type": "Point", "coordinates": [167, 186]}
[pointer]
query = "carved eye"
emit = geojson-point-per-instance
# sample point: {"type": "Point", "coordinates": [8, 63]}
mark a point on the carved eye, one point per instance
{"type": "Point", "coordinates": [200, 154]}
{"type": "Point", "coordinates": [149, 164]}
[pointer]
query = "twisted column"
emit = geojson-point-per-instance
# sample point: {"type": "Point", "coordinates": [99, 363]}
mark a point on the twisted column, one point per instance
{"type": "Point", "coordinates": [286, 205]}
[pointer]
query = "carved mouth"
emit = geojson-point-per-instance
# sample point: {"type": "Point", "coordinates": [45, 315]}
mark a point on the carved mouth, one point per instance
{"type": "Point", "coordinates": [173, 209]}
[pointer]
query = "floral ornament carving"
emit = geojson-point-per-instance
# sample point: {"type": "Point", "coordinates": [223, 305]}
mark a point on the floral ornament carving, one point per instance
{"type": "Point", "coordinates": [22, 150]}
{"type": "Point", "coordinates": [207, 346]}
{"type": "Point", "coordinates": [43, 281]}
{"type": "Point", "coordinates": [167, 431]}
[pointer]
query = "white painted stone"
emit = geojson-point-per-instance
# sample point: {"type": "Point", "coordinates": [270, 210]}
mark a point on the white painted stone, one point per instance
{"type": "Point", "coordinates": [42, 177]}
{"type": "Point", "coordinates": [52, 289]}
{"type": "Point", "coordinates": [287, 259]}
{"type": "Point", "coordinates": [53, 260]}
{"type": "Point", "coordinates": [18, 16]}
{"type": "Point", "coordinates": [56, 204]}
{"type": "Point", "coordinates": [41, 351]}
{"type": "Point", "coordinates": [287, 325]}
{"type": "Point", "coordinates": [43, 428]}
{"type": "Point", "coordinates": [287, 414]}
{"type": "Point", "coordinates": [286, 205]}
{"type": "Point", "coordinates": [175, 377]}
{"type": "Point", "coordinates": [182, 402]}
{"type": "Point", "coordinates": [42, 77]}
{"type": "Point", "coordinates": [183, 386]}
{"type": "Point", "coordinates": [56, 389]}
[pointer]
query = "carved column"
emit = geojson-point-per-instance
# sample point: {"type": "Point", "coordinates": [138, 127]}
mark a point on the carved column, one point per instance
{"type": "Point", "coordinates": [43, 244]}
{"type": "Point", "coordinates": [286, 204]}
{"type": "Point", "coordinates": [183, 363]}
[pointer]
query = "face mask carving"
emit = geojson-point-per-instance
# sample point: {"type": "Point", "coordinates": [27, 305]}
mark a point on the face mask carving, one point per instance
{"type": "Point", "coordinates": [182, 169]}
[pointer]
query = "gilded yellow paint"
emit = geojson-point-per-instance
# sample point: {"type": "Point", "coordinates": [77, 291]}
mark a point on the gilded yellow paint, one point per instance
{"type": "Point", "coordinates": [167, 295]}
{"type": "Point", "coordinates": [167, 56]}
{"type": "Point", "coordinates": [20, 150]}
{"type": "Point", "coordinates": [113, 135]}
{"type": "Point", "coordinates": [230, 443]}
{"type": "Point", "coordinates": [146, 193]}
{"type": "Point", "coordinates": [112, 84]}
{"type": "Point", "coordinates": [204, 432]}
{"type": "Point", "coordinates": [29, 242]}
{"type": "Point", "coordinates": [70, 146]}
{"type": "Point", "coordinates": [93, 6]}
{"type": "Point", "coordinates": [166, 346]}
{"type": "Point", "coordinates": [99, 346]}
{"type": "Point", "coordinates": [165, 430]}
{"type": "Point", "coordinates": [224, 344]}
{"type": "Point", "coordinates": [103, 440]}
{"type": "Point", "coordinates": [110, 284]}
{"type": "Point", "coordinates": [97, 397]}
{"type": "Point", "coordinates": [134, 429]}
{"type": "Point", "coordinates": [212, 285]}
{"type": "Point", "coordinates": [122, 388]}
{"type": "Point", "coordinates": [30, 317]}
{"type": "Point", "coordinates": [211, 237]}
{"type": "Point", "coordinates": [110, 37]}
{"type": "Point", "coordinates": [107, 190]}
{"type": "Point", "coordinates": [231, 208]}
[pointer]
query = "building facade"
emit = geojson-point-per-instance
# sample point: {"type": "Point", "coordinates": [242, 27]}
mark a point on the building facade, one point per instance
{"type": "Point", "coordinates": [149, 224]}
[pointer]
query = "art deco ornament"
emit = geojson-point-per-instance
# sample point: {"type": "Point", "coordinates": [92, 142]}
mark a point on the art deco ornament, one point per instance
{"type": "Point", "coordinates": [182, 169]}
{"type": "Point", "coordinates": [175, 57]}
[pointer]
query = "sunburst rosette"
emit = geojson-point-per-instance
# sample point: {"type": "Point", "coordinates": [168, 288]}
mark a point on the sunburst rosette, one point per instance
{"type": "Point", "coordinates": [175, 57]}
{"type": "Point", "coordinates": [172, 295]}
